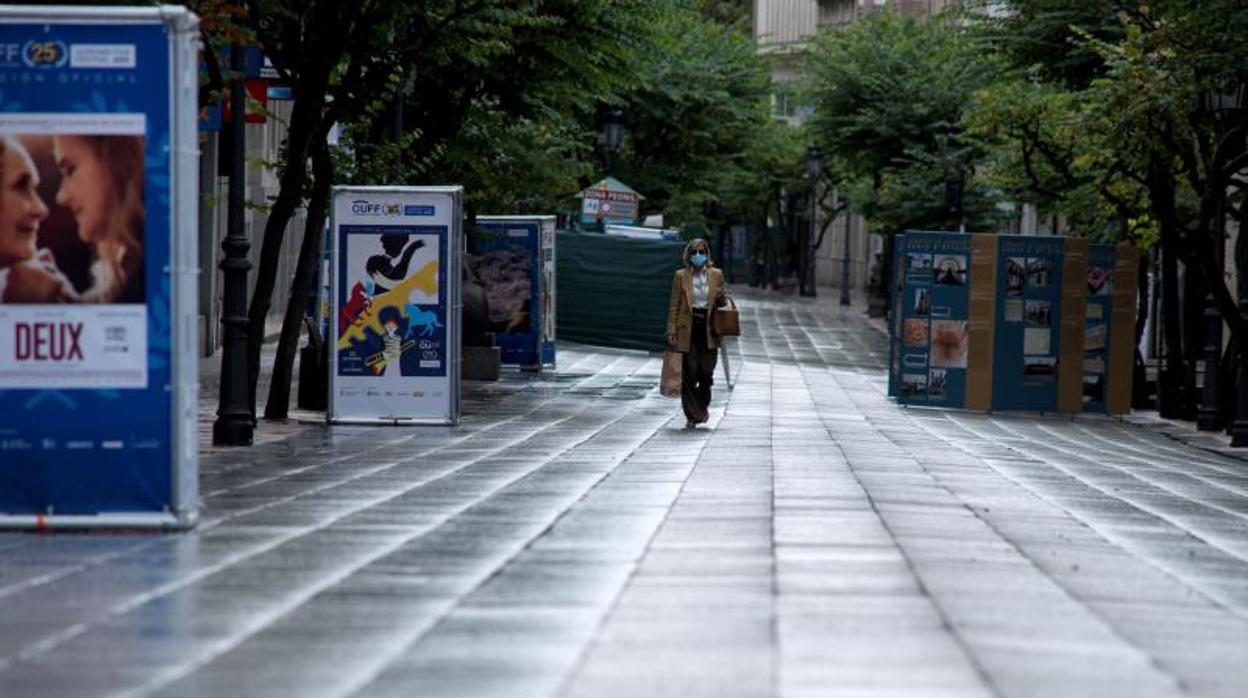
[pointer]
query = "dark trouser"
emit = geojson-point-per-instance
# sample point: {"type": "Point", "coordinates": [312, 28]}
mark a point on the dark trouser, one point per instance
{"type": "Point", "coordinates": [697, 372]}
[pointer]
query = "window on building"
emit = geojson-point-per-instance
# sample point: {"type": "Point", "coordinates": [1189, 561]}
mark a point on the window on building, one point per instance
{"type": "Point", "coordinates": [789, 104]}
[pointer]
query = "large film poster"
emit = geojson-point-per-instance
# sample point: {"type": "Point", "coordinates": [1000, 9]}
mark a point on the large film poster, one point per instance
{"type": "Point", "coordinates": [94, 401]}
{"type": "Point", "coordinates": [396, 356]}
{"type": "Point", "coordinates": [935, 336]}
{"type": "Point", "coordinates": [505, 256]}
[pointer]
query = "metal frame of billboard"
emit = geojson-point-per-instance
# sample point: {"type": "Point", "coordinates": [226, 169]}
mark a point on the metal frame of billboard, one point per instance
{"type": "Point", "coordinates": [454, 305]}
{"type": "Point", "coordinates": [183, 27]}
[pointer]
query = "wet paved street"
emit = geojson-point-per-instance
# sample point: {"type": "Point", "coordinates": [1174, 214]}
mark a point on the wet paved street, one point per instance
{"type": "Point", "coordinates": [572, 539]}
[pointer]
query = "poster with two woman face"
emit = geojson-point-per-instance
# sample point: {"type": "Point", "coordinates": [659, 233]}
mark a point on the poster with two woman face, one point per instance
{"type": "Point", "coordinates": [98, 236]}
{"type": "Point", "coordinates": [72, 228]}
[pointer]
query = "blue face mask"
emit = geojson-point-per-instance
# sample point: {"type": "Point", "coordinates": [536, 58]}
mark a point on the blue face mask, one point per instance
{"type": "Point", "coordinates": [697, 259]}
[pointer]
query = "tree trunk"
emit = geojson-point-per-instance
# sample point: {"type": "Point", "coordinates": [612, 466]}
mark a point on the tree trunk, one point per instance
{"type": "Point", "coordinates": [308, 110]}
{"type": "Point", "coordinates": [304, 286]}
{"type": "Point", "coordinates": [1161, 186]}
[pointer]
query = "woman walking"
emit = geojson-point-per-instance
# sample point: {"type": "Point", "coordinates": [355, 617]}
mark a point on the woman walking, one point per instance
{"type": "Point", "coordinates": [697, 288]}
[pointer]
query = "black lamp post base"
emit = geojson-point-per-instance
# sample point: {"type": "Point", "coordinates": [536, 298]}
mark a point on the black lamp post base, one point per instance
{"type": "Point", "coordinates": [1169, 394]}
{"type": "Point", "coordinates": [235, 431]}
{"type": "Point", "coordinates": [1239, 428]}
{"type": "Point", "coordinates": [1239, 435]}
{"type": "Point", "coordinates": [1209, 420]}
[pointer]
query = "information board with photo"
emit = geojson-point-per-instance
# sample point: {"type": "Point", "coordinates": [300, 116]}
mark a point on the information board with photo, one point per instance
{"type": "Point", "coordinates": [931, 353]}
{"type": "Point", "coordinates": [1028, 328]}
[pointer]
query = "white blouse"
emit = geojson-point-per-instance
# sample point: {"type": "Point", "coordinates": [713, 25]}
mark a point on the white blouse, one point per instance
{"type": "Point", "coordinates": [701, 288]}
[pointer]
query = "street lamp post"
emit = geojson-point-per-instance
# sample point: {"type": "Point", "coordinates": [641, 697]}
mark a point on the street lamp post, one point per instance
{"type": "Point", "coordinates": [234, 425]}
{"type": "Point", "coordinates": [955, 182]}
{"type": "Point", "coordinates": [814, 169]}
{"type": "Point", "coordinates": [613, 131]}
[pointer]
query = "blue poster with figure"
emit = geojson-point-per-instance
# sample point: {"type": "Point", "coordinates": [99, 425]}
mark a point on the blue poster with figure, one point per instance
{"type": "Point", "coordinates": [1028, 328]}
{"type": "Point", "coordinates": [97, 267]}
{"type": "Point", "coordinates": [505, 257]}
{"type": "Point", "coordinates": [934, 330]}
{"type": "Point", "coordinates": [392, 300]}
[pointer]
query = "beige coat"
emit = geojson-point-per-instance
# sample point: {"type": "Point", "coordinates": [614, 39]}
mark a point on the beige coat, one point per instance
{"type": "Point", "coordinates": [680, 307]}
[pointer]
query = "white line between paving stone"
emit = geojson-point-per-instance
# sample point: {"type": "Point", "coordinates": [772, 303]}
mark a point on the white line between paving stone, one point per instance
{"type": "Point", "coordinates": [119, 609]}
{"type": "Point", "coordinates": [173, 674]}
{"type": "Point", "coordinates": [1124, 544]}
{"type": "Point", "coordinates": [587, 651]}
{"type": "Point", "coordinates": [383, 662]}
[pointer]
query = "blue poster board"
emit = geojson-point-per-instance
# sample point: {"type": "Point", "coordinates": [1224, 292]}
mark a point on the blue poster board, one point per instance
{"type": "Point", "coordinates": [514, 259]}
{"type": "Point", "coordinates": [1028, 328]}
{"type": "Point", "coordinates": [934, 328]}
{"type": "Point", "coordinates": [1097, 335]}
{"type": "Point", "coordinates": [506, 257]}
{"type": "Point", "coordinates": [98, 280]}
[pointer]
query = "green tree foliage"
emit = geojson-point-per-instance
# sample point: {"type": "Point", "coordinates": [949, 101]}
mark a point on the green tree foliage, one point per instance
{"type": "Point", "coordinates": [496, 95]}
{"type": "Point", "coordinates": [1046, 36]}
{"type": "Point", "coordinates": [1050, 146]}
{"type": "Point", "coordinates": [733, 13]}
{"type": "Point", "coordinates": [1047, 138]}
{"type": "Point", "coordinates": [695, 117]}
{"type": "Point", "coordinates": [507, 100]}
{"type": "Point", "coordinates": [888, 94]}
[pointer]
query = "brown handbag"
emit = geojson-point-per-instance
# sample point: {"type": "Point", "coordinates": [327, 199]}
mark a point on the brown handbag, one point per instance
{"type": "Point", "coordinates": [725, 320]}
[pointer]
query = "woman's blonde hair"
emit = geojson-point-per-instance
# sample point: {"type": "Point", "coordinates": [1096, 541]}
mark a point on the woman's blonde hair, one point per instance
{"type": "Point", "coordinates": [119, 250]}
{"type": "Point", "coordinates": [697, 243]}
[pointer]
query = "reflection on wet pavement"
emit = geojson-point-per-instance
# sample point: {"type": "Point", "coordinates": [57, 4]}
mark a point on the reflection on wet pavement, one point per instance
{"type": "Point", "coordinates": [572, 539]}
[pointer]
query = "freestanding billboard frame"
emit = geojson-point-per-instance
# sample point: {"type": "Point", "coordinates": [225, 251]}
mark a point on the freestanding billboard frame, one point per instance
{"type": "Point", "coordinates": [370, 256]}
{"type": "Point", "coordinates": [122, 450]}
{"type": "Point", "coordinates": [542, 277]}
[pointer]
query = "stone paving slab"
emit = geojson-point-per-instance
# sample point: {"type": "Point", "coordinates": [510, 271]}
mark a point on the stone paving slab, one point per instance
{"type": "Point", "coordinates": [571, 539]}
